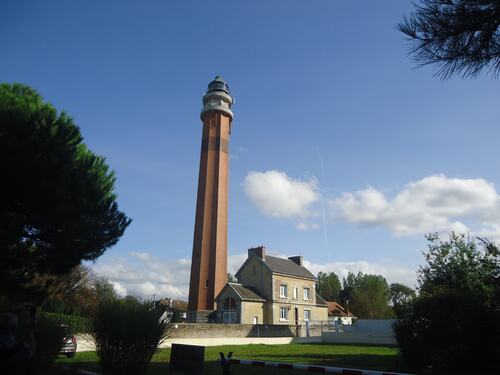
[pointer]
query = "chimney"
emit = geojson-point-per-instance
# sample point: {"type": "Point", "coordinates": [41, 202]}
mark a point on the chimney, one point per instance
{"type": "Point", "coordinates": [299, 260]}
{"type": "Point", "coordinates": [259, 251]}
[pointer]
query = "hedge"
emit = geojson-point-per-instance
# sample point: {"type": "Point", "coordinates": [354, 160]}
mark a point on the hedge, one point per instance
{"type": "Point", "coordinates": [78, 324]}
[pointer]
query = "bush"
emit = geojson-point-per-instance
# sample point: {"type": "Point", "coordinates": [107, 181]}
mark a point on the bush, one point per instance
{"type": "Point", "coordinates": [77, 324]}
{"type": "Point", "coordinates": [48, 334]}
{"type": "Point", "coordinates": [126, 335]}
{"type": "Point", "coordinates": [454, 323]}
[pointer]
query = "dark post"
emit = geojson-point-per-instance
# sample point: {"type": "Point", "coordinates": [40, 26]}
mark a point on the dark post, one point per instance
{"type": "Point", "coordinates": [225, 362]}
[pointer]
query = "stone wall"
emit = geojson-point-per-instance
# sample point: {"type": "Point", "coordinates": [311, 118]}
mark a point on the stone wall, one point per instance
{"type": "Point", "coordinates": [187, 330]}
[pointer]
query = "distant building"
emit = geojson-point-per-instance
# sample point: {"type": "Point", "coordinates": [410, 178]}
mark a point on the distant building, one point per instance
{"type": "Point", "coordinates": [271, 290]}
{"type": "Point", "coordinates": [336, 311]}
{"type": "Point", "coordinates": [171, 306]}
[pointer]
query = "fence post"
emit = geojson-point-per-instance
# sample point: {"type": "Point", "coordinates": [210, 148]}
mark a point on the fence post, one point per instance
{"type": "Point", "coordinates": [225, 362]}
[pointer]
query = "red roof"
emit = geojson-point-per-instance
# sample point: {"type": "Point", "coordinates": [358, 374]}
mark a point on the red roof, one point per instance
{"type": "Point", "coordinates": [336, 309]}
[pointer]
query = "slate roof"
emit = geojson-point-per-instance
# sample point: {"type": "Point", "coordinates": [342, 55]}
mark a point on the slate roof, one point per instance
{"type": "Point", "coordinates": [246, 293]}
{"type": "Point", "coordinates": [287, 267]}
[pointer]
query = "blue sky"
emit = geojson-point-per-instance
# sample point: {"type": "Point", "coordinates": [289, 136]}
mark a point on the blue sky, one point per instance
{"type": "Point", "coordinates": [363, 152]}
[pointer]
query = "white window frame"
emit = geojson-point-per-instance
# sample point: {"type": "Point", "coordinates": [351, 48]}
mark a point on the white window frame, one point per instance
{"type": "Point", "coordinates": [295, 292]}
{"type": "Point", "coordinates": [306, 294]}
{"type": "Point", "coordinates": [283, 291]}
{"type": "Point", "coordinates": [307, 312]}
{"type": "Point", "coordinates": [284, 314]}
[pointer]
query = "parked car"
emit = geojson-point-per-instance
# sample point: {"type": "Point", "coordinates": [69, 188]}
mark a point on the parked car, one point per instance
{"type": "Point", "coordinates": [69, 343]}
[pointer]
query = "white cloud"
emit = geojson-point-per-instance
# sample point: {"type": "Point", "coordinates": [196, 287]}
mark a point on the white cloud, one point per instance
{"type": "Point", "coordinates": [434, 203]}
{"type": "Point", "coordinates": [141, 256]}
{"type": "Point", "coordinates": [304, 225]}
{"type": "Point", "coordinates": [143, 278]}
{"type": "Point", "coordinates": [120, 290]}
{"type": "Point", "coordinates": [143, 274]}
{"type": "Point", "coordinates": [279, 196]}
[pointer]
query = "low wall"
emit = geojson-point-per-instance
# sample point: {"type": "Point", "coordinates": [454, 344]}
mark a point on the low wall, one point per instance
{"type": "Point", "coordinates": [201, 330]}
{"type": "Point", "coordinates": [85, 343]}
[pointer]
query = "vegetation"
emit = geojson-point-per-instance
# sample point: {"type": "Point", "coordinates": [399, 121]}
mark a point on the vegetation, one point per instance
{"type": "Point", "coordinates": [366, 295]}
{"type": "Point", "coordinates": [328, 286]}
{"type": "Point", "coordinates": [454, 322]}
{"type": "Point", "coordinates": [126, 334]}
{"type": "Point", "coordinates": [459, 36]}
{"type": "Point", "coordinates": [78, 293]}
{"type": "Point", "coordinates": [48, 336]}
{"type": "Point", "coordinates": [59, 206]}
{"type": "Point", "coordinates": [354, 356]}
{"type": "Point", "coordinates": [76, 323]}
{"type": "Point", "coordinates": [400, 295]}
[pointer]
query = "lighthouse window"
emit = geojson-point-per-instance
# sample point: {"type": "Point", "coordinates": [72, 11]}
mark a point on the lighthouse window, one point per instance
{"type": "Point", "coordinates": [206, 283]}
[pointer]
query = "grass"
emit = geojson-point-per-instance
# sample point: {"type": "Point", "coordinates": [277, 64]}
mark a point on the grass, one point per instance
{"type": "Point", "coordinates": [354, 356]}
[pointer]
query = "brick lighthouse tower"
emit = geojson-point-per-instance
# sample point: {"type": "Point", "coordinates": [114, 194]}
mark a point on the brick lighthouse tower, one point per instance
{"type": "Point", "coordinates": [209, 259]}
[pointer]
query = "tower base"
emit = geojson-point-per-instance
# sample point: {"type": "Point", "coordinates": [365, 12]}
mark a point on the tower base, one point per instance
{"type": "Point", "coordinates": [201, 316]}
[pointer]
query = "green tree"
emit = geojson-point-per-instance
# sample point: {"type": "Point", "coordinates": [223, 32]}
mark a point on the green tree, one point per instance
{"type": "Point", "coordinates": [459, 36]}
{"type": "Point", "coordinates": [400, 296]}
{"type": "Point", "coordinates": [57, 202]}
{"type": "Point", "coordinates": [454, 322]}
{"type": "Point", "coordinates": [367, 295]}
{"type": "Point", "coordinates": [104, 289]}
{"type": "Point", "coordinates": [328, 286]}
{"type": "Point", "coordinates": [231, 278]}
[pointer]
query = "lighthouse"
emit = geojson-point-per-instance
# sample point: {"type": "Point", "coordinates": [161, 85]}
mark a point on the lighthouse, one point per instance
{"type": "Point", "coordinates": [209, 257]}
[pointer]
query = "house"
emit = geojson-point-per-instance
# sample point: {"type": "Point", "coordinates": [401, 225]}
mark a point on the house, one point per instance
{"type": "Point", "coordinates": [172, 306]}
{"type": "Point", "coordinates": [336, 311]}
{"type": "Point", "coordinates": [271, 290]}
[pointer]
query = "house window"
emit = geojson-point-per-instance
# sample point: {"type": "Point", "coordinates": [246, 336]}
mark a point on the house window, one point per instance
{"type": "Point", "coordinates": [295, 292]}
{"type": "Point", "coordinates": [307, 315]}
{"type": "Point", "coordinates": [229, 310]}
{"type": "Point", "coordinates": [283, 313]}
{"type": "Point", "coordinates": [306, 293]}
{"type": "Point", "coordinates": [229, 317]}
{"type": "Point", "coordinates": [229, 304]}
{"type": "Point", "coordinates": [283, 291]}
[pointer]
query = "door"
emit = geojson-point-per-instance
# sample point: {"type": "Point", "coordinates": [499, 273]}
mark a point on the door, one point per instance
{"type": "Point", "coordinates": [296, 316]}
{"type": "Point", "coordinates": [255, 319]}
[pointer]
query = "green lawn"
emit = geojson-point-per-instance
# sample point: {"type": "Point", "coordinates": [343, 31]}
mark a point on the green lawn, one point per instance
{"type": "Point", "coordinates": [355, 356]}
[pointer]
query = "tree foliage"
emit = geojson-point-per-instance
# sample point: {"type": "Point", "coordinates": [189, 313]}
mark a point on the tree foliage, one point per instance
{"type": "Point", "coordinates": [78, 293]}
{"type": "Point", "coordinates": [454, 322]}
{"type": "Point", "coordinates": [366, 295]}
{"type": "Point", "coordinates": [328, 286]}
{"type": "Point", "coordinates": [400, 295]}
{"type": "Point", "coordinates": [57, 202]}
{"type": "Point", "coordinates": [459, 36]}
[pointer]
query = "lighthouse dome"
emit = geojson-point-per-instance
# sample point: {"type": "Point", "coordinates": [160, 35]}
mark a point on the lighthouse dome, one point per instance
{"type": "Point", "coordinates": [218, 84]}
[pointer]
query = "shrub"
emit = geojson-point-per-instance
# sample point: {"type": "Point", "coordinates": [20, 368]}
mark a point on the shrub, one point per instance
{"type": "Point", "coordinates": [77, 324]}
{"type": "Point", "coordinates": [454, 323]}
{"type": "Point", "coordinates": [48, 334]}
{"type": "Point", "coordinates": [126, 335]}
